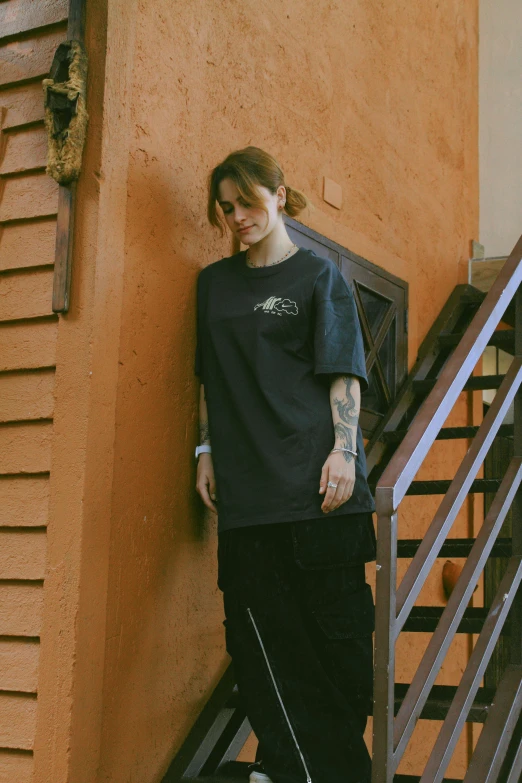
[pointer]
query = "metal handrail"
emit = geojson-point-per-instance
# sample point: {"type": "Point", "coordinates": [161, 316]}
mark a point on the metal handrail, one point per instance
{"type": "Point", "coordinates": [390, 736]}
{"type": "Point", "coordinates": [439, 643]}
{"type": "Point", "coordinates": [408, 458]}
{"type": "Point", "coordinates": [426, 555]}
{"type": "Point", "coordinates": [447, 739]}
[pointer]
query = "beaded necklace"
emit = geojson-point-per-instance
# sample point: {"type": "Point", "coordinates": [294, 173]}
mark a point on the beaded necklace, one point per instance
{"type": "Point", "coordinates": [260, 266]}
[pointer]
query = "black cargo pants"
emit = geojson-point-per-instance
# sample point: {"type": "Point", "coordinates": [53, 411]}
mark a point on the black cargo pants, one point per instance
{"type": "Point", "coordinates": [299, 618]}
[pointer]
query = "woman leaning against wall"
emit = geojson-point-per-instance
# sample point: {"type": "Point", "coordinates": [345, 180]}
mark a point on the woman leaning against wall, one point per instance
{"type": "Point", "coordinates": [281, 461]}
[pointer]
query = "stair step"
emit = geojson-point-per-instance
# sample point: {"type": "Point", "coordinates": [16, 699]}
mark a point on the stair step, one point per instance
{"type": "Point", "coordinates": [435, 708]}
{"type": "Point", "coordinates": [475, 383]}
{"type": "Point", "coordinates": [424, 619]}
{"type": "Point", "coordinates": [234, 771]}
{"type": "Point", "coordinates": [449, 433]}
{"type": "Point", "coordinates": [235, 776]}
{"type": "Point", "coordinates": [441, 487]}
{"type": "Point", "coordinates": [218, 777]}
{"type": "Point", "coordinates": [497, 735]}
{"type": "Point", "coordinates": [504, 339]}
{"type": "Point", "coordinates": [437, 704]}
{"type": "Point", "coordinates": [453, 547]}
{"type": "Point", "coordinates": [440, 699]}
{"type": "Point", "coordinates": [416, 779]}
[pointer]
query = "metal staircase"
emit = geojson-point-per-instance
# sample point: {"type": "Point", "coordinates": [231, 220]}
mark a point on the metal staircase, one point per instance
{"type": "Point", "coordinates": [444, 368]}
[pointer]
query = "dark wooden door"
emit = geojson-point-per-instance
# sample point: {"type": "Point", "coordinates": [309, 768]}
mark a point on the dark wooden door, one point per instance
{"type": "Point", "coordinates": [382, 304]}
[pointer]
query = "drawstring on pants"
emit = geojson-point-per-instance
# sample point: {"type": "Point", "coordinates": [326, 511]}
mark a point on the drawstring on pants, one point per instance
{"type": "Point", "coordinates": [308, 778]}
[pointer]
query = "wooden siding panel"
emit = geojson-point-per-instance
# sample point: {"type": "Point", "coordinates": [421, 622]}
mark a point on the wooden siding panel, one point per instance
{"type": "Point", "coordinates": [30, 58]}
{"type": "Point", "coordinates": [22, 554]}
{"type": "Point", "coordinates": [27, 295]}
{"type": "Point", "coordinates": [29, 197]}
{"type": "Point", "coordinates": [24, 150]}
{"type": "Point", "coordinates": [22, 104]}
{"type": "Point", "coordinates": [26, 395]}
{"type": "Point", "coordinates": [27, 244]}
{"type": "Point", "coordinates": [17, 720]}
{"type": "Point", "coordinates": [24, 501]}
{"type": "Point", "coordinates": [27, 345]}
{"type": "Point", "coordinates": [28, 331]}
{"type": "Point", "coordinates": [20, 609]}
{"type": "Point", "coordinates": [19, 665]}
{"type": "Point", "coordinates": [19, 16]}
{"type": "Point", "coordinates": [25, 448]}
{"type": "Point", "coordinates": [16, 766]}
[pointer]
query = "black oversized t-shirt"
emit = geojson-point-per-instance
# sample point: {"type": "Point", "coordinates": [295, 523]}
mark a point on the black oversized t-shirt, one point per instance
{"type": "Point", "coordinates": [267, 340]}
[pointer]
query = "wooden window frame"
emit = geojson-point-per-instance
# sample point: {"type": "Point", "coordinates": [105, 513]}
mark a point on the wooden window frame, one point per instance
{"type": "Point", "coordinates": [356, 269]}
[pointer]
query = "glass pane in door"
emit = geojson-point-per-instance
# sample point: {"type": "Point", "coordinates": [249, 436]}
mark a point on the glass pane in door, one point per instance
{"type": "Point", "coordinates": [375, 307]}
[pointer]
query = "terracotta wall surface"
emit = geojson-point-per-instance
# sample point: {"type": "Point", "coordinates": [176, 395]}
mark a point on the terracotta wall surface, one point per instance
{"type": "Point", "coordinates": [381, 98]}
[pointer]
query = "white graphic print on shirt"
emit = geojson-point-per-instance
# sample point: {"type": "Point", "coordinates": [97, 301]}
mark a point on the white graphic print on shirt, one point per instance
{"type": "Point", "coordinates": [276, 305]}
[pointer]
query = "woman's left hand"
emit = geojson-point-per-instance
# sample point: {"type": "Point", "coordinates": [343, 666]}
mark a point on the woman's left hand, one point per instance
{"type": "Point", "coordinates": [337, 470]}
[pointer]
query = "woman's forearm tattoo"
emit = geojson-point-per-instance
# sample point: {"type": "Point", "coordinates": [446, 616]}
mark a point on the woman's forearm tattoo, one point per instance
{"type": "Point", "coordinates": [346, 407]}
{"type": "Point", "coordinates": [346, 411]}
{"type": "Point", "coordinates": [345, 438]}
{"type": "Point", "coordinates": [204, 434]}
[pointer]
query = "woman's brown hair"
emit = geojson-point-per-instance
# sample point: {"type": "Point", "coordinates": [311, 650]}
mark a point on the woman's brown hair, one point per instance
{"type": "Point", "coordinates": [247, 168]}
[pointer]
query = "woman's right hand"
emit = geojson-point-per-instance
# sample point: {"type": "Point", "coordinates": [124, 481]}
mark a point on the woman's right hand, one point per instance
{"type": "Point", "coordinates": [205, 481]}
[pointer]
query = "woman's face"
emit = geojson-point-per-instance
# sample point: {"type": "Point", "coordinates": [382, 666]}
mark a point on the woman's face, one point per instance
{"type": "Point", "coordinates": [250, 224]}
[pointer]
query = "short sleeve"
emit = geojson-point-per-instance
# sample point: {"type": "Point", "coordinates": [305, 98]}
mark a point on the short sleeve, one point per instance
{"type": "Point", "coordinates": [338, 342]}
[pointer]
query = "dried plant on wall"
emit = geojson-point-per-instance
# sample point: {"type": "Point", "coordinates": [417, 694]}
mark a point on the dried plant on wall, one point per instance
{"type": "Point", "coordinates": [65, 112]}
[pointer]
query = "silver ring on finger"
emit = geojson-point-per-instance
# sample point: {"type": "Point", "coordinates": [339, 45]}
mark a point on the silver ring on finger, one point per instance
{"type": "Point", "coordinates": [331, 484]}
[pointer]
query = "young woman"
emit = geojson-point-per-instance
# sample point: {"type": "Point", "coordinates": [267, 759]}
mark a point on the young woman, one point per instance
{"type": "Point", "coordinates": [281, 461]}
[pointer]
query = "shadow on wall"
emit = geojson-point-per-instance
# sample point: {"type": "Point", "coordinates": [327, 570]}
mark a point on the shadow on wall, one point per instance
{"type": "Point", "coordinates": [165, 642]}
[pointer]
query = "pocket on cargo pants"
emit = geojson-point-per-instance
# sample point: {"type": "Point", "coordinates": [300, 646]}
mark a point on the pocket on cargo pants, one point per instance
{"type": "Point", "coordinates": [338, 608]}
{"type": "Point", "coordinates": [333, 582]}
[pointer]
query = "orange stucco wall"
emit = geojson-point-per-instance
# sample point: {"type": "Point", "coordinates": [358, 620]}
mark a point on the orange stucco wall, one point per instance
{"type": "Point", "coordinates": [381, 98]}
